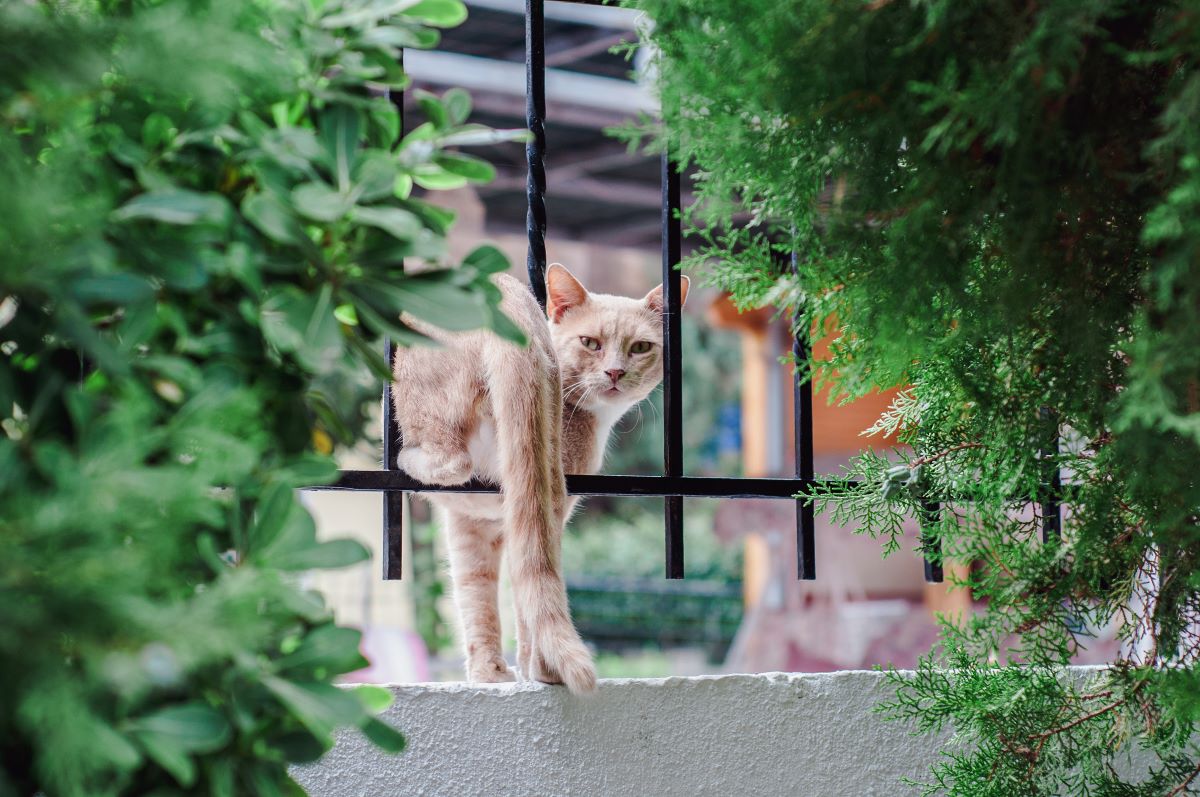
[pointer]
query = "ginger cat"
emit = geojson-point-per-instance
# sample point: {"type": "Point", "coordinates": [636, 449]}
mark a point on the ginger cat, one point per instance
{"type": "Point", "coordinates": [521, 417]}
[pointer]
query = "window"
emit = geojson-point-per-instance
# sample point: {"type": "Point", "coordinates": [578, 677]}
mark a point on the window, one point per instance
{"type": "Point", "coordinates": [672, 485]}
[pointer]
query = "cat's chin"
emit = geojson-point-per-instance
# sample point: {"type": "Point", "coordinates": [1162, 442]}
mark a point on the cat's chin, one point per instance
{"type": "Point", "coordinates": [614, 403]}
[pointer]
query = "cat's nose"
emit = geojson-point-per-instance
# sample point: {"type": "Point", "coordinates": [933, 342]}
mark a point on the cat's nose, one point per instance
{"type": "Point", "coordinates": [615, 375]}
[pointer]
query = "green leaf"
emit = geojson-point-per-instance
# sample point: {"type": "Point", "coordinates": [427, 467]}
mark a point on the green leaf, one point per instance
{"type": "Point", "coordinates": [503, 326]}
{"type": "Point", "coordinates": [478, 135]}
{"type": "Point", "coordinates": [111, 747]}
{"type": "Point", "coordinates": [396, 222]}
{"type": "Point", "coordinates": [359, 15]}
{"type": "Point", "coordinates": [458, 105]}
{"type": "Point", "coordinates": [341, 127]}
{"type": "Point", "coordinates": [437, 179]}
{"type": "Point", "coordinates": [374, 698]}
{"type": "Point", "coordinates": [175, 206]}
{"type": "Point", "coordinates": [174, 759]}
{"type": "Point", "coordinates": [345, 314]}
{"type": "Point", "coordinates": [321, 556]}
{"type": "Point", "coordinates": [320, 202]}
{"type": "Point", "coordinates": [273, 219]}
{"type": "Point", "coordinates": [393, 36]}
{"type": "Point", "coordinates": [170, 737]}
{"type": "Point", "coordinates": [295, 149]}
{"type": "Point", "coordinates": [433, 298]}
{"type": "Point", "coordinates": [304, 326]}
{"type": "Point", "coordinates": [195, 727]}
{"type": "Point", "coordinates": [440, 13]}
{"type": "Point", "coordinates": [488, 259]}
{"type": "Point", "coordinates": [320, 707]}
{"type": "Point", "coordinates": [275, 509]}
{"type": "Point", "coordinates": [384, 736]}
{"type": "Point", "coordinates": [435, 218]}
{"type": "Point", "coordinates": [300, 747]}
{"type": "Point", "coordinates": [285, 537]}
{"type": "Point", "coordinates": [157, 130]}
{"type": "Point", "coordinates": [403, 186]}
{"type": "Point", "coordinates": [422, 132]}
{"type": "Point", "coordinates": [376, 365]}
{"type": "Point", "coordinates": [220, 777]}
{"type": "Point", "coordinates": [435, 112]}
{"type": "Point", "coordinates": [474, 169]}
{"type": "Point", "coordinates": [119, 288]}
{"type": "Point", "coordinates": [375, 176]}
{"type": "Point", "coordinates": [309, 470]}
{"type": "Point", "coordinates": [331, 648]}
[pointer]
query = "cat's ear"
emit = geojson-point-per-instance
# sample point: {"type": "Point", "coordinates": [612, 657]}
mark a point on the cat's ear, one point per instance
{"type": "Point", "coordinates": [655, 297]}
{"type": "Point", "coordinates": [563, 291]}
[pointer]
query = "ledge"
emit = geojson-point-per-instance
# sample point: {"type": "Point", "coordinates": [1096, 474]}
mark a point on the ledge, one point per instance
{"type": "Point", "coordinates": [771, 734]}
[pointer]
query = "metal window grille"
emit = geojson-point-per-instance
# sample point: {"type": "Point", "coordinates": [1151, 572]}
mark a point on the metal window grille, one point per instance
{"type": "Point", "coordinates": [672, 486]}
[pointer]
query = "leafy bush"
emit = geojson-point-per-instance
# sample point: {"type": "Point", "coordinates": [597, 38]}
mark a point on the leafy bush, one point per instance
{"type": "Point", "coordinates": [205, 215]}
{"type": "Point", "coordinates": [994, 205]}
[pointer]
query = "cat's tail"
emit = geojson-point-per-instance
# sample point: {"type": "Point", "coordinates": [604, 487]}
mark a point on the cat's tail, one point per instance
{"type": "Point", "coordinates": [527, 402]}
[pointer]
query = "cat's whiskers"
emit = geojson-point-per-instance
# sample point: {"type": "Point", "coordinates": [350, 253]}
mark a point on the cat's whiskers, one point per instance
{"type": "Point", "coordinates": [575, 405]}
{"type": "Point", "coordinates": [568, 390]}
{"type": "Point", "coordinates": [637, 422]}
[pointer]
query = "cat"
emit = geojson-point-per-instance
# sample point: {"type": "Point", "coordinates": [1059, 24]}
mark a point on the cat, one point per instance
{"type": "Point", "coordinates": [521, 417]}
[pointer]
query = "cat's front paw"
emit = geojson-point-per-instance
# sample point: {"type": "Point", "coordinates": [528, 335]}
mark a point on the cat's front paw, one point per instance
{"type": "Point", "coordinates": [490, 671]}
{"type": "Point", "coordinates": [435, 467]}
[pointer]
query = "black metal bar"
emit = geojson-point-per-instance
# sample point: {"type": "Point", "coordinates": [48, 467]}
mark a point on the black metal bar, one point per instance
{"type": "Point", "coordinates": [535, 150]}
{"type": "Point", "coordinates": [802, 429]}
{"type": "Point", "coordinates": [672, 248]}
{"type": "Point", "coordinates": [1051, 493]}
{"type": "Point", "coordinates": [591, 484]}
{"type": "Point", "coordinates": [393, 502]}
{"type": "Point", "coordinates": [931, 541]}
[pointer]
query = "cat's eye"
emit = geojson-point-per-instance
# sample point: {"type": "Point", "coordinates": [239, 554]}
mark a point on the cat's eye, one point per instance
{"type": "Point", "coordinates": [641, 347]}
{"type": "Point", "coordinates": [591, 344]}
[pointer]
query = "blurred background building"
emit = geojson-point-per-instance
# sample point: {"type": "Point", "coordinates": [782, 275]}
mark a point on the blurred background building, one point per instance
{"type": "Point", "coordinates": [741, 608]}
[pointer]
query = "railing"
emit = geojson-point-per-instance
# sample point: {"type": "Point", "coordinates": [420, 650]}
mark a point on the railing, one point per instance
{"type": "Point", "coordinates": [672, 486]}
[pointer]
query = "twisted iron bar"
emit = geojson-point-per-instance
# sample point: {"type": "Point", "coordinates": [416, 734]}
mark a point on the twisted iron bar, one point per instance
{"type": "Point", "coordinates": [535, 149]}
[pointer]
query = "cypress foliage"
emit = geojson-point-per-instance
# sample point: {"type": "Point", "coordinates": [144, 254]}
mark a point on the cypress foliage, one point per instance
{"type": "Point", "coordinates": [995, 207]}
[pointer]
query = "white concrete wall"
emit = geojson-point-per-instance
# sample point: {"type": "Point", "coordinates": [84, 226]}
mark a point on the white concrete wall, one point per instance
{"type": "Point", "coordinates": [754, 735]}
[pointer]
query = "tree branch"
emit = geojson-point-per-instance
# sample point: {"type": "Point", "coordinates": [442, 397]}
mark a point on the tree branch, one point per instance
{"type": "Point", "coordinates": [1182, 787]}
{"type": "Point", "coordinates": [1080, 720]}
{"type": "Point", "coordinates": [926, 459]}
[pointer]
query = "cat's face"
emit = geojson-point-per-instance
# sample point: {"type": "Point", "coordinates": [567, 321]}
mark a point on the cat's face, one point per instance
{"type": "Point", "coordinates": [609, 347]}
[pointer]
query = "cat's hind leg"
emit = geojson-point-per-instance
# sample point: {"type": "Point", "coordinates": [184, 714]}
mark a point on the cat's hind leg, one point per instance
{"type": "Point", "coordinates": [435, 465]}
{"type": "Point", "coordinates": [475, 571]}
{"type": "Point", "coordinates": [435, 396]}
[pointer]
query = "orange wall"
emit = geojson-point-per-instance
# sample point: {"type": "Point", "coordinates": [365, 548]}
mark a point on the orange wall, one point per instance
{"type": "Point", "coordinates": [836, 429]}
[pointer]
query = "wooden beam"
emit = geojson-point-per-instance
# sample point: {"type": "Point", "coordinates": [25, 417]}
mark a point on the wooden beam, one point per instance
{"type": "Point", "coordinates": [623, 193]}
{"type": "Point", "coordinates": [585, 49]}
{"type": "Point", "coordinates": [512, 106]}
{"type": "Point", "coordinates": [506, 77]}
{"type": "Point", "coordinates": [579, 14]}
{"type": "Point", "coordinates": [623, 234]}
{"type": "Point", "coordinates": [602, 158]}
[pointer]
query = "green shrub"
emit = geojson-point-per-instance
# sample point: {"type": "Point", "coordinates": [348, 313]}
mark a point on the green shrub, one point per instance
{"type": "Point", "coordinates": [994, 205]}
{"type": "Point", "coordinates": [204, 218]}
